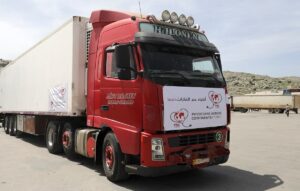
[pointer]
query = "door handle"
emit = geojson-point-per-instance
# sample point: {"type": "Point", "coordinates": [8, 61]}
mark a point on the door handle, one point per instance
{"type": "Point", "coordinates": [104, 107]}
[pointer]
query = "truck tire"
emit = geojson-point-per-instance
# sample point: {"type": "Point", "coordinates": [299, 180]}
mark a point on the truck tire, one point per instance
{"type": "Point", "coordinates": [68, 140]}
{"type": "Point", "coordinates": [113, 159]}
{"type": "Point", "coordinates": [13, 126]}
{"type": "Point", "coordinates": [53, 139]}
{"type": "Point", "coordinates": [271, 110]}
{"type": "Point", "coordinates": [18, 134]}
{"type": "Point", "coordinates": [6, 125]}
{"type": "Point", "coordinates": [244, 110]}
{"type": "Point", "coordinates": [9, 125]}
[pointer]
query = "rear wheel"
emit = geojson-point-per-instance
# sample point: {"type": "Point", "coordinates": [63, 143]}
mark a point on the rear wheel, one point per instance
{"type": "Point", "coordinates": [13, 126]}
{"type": "Point", "coordinates": [244, 110]}
{"type": "Point", "coordinates": [9, 125]}
{"type": "Point", "coordinates": [113, 159]}
{"type": "Point", "coordinates": [18, 134]}
{"type": "Point", "coordinates": [271, 110]}
{"type": "Point", "coordinates": [6, 125]}
{"type": "Point", "coordinates": [68, 140]}
{"type": "Point", "coordinates": [53, 140]}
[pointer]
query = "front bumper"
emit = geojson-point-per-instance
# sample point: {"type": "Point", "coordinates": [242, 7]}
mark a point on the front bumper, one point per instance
{"type": "Point", "coordinates": [194, 149]}
{"type": "Point", "coordinates": [161, 171]}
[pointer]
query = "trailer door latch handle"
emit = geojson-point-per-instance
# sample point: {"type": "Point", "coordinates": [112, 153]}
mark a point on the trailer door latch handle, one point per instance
{"type": "Point", "coordinates": [104, 107]}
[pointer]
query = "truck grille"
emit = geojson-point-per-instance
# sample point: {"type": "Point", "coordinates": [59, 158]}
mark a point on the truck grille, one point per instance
{"type": "Point", "coordinates": [191, 140]}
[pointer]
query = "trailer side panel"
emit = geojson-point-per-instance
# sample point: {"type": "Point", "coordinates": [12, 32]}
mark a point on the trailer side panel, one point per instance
{"type": "Point", "coordinates": [262, 101]}
{"type": "Point", "coordinates": [49, 77]}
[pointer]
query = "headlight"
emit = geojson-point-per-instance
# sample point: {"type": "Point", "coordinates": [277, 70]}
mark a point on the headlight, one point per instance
{"type": "Point", "coordinates": [157, 148]}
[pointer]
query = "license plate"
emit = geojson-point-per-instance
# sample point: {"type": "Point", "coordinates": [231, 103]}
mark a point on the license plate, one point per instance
{"type": "Point", "coordinates": [200, 161]}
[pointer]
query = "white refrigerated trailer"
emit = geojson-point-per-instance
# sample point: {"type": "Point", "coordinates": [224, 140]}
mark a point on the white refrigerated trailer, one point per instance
{"type": "Point", "coordinates": [273, 103]}
{"type": "Point", "coordinates": [48, 79]}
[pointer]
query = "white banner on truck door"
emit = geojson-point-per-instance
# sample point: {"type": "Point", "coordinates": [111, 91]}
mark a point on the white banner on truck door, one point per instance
{"type": "Point", "coordinates": [193, 107]}
{"type": "Point", "coordinates": [58, 97]}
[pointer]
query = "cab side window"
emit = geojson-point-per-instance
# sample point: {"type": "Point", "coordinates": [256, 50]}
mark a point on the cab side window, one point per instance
{"type": "Point", "coordinates": [111, 69]}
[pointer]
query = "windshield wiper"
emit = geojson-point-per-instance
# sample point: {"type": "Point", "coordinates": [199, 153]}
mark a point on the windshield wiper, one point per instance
{"type": "Point", "coordinates": [160, 72]}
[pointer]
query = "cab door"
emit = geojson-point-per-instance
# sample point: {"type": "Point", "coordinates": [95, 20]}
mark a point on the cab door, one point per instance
{"type": "Point", "coordinates": [120, 101]}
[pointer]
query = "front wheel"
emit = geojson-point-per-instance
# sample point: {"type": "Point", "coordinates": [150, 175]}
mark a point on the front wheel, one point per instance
{"type": "Point", "coordinates": [113, 159]}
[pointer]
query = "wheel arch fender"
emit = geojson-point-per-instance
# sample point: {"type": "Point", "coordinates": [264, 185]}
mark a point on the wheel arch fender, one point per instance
{"type": "Point", "coordinates": [128, 139]}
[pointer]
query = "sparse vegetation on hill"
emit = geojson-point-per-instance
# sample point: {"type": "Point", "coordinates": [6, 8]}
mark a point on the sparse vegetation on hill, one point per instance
{"type": "Point", "coordinates": [240, 83]}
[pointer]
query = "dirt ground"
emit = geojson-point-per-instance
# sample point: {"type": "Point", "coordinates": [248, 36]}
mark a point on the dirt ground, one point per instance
{"type": "Point", "coordinates": [265, 155]}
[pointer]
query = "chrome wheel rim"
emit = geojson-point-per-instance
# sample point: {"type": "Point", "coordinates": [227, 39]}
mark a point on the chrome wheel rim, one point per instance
{"type": "Point", "coordinates": [109, 157]}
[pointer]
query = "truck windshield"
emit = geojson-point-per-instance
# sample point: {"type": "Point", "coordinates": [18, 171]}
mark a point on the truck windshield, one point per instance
{"type": "Point", "coordinates": [190, 66]}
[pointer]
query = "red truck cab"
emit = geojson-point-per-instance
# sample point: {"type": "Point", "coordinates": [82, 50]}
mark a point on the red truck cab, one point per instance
{"type": "Point", "coordinates": [156, 95]}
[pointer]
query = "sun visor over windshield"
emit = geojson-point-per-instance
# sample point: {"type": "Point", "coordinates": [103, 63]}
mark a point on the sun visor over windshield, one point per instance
{"type": "Point", "coordinates": [148, 37]}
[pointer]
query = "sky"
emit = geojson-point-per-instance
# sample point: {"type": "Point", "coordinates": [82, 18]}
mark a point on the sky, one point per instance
{"type": "Point", "coordinates": [254, 36]}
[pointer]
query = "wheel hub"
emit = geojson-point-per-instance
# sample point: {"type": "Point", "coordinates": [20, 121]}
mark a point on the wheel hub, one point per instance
{"type": "Point", "coordinates": [109, 157]}
{"type": "Point", "coordinates": [66, 139]}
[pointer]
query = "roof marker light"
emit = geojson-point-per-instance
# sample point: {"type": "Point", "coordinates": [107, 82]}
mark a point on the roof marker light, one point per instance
{"type": "Point", "coordinates": [182, 19]}
{"type": "Point", "coordinates": [165, 15]}
{"type": "Point", "coordinates": [174, 17]}
{"type": "Point", "coordinates": [190, 21]}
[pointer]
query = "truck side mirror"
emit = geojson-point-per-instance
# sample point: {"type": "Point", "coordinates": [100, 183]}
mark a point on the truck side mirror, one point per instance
{"type": "Point", "coordinates": [122, 56]}
{"type": "Point", "coordinates": [123, 62]}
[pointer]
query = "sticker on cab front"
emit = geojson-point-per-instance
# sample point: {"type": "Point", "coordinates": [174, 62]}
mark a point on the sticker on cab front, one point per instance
{"type": "Point", "coordinates": [193, 107]}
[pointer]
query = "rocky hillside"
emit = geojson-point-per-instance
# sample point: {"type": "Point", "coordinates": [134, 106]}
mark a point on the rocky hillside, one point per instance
{"type": "Point", "coordinates": [244, 83]}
